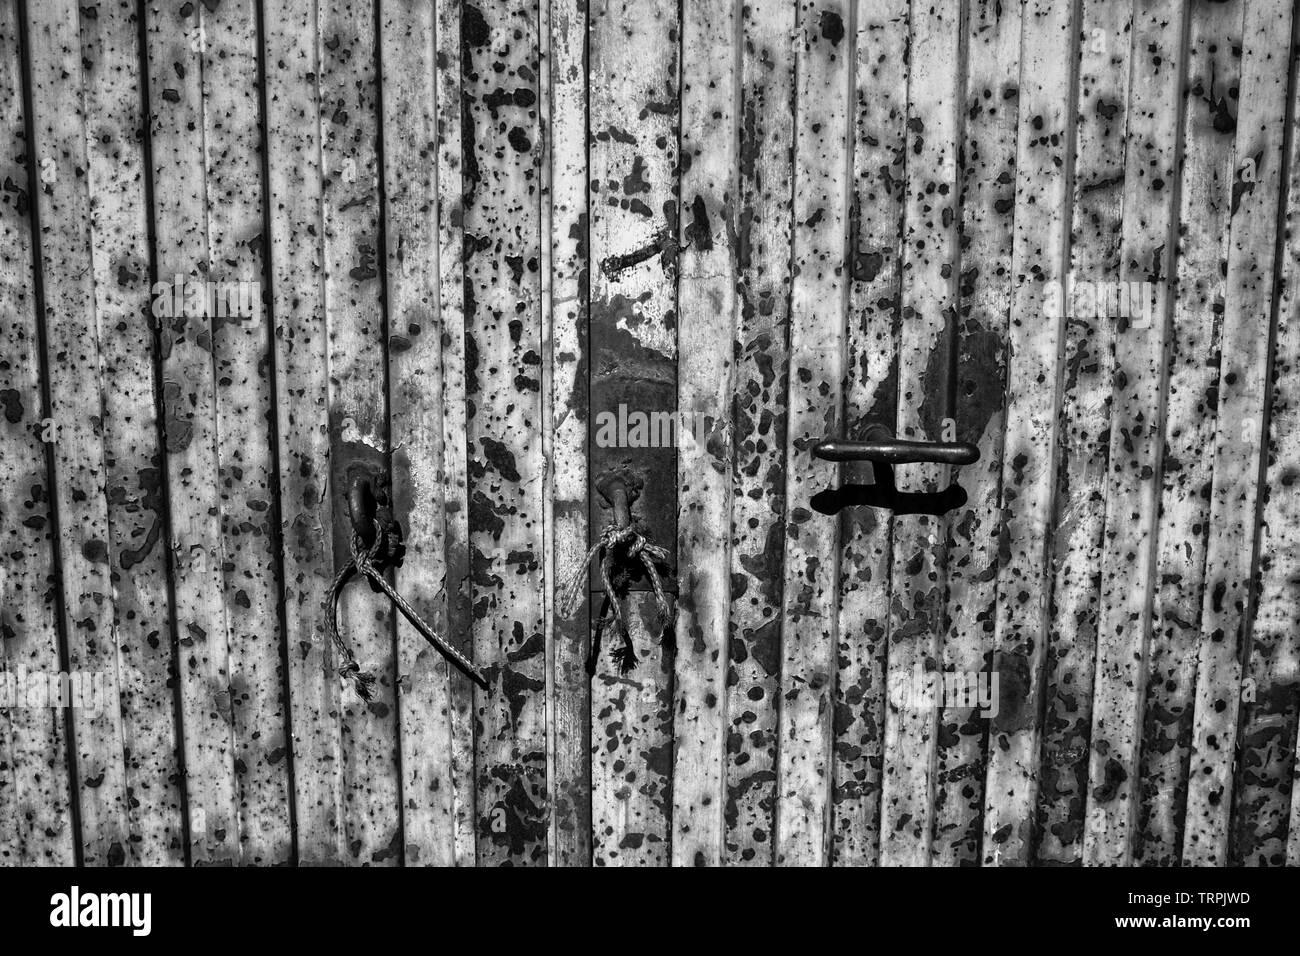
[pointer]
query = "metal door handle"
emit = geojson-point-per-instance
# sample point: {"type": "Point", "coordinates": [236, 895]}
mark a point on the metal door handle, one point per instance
{"type": "Point", "coordinates": [881, 447]}
{"type": "Point", "coordinates": [895, 451]}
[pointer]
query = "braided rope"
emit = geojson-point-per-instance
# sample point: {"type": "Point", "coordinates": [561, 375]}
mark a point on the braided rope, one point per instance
{"type": "Point", "coordinates": [362, 562]}
{"type": "Point", "coordinates": [364, 681]}
{"type": "Point", "coordinates": [408, 612]}
{"type": "Point", "coordinates": [638, 549]}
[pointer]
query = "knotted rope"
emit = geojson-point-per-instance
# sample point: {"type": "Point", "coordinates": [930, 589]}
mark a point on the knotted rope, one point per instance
{"type": "Point", "coordinates": [638, 549]}
{"type": "Point", "coordinates": [363, 561]}
{"type": "Point", "coordinates": [349, 669]}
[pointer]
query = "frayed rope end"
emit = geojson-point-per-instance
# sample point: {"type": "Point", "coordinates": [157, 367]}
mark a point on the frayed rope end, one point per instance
{"type": "Point", "coordinates": [363, 681]}
{"type": "Point", "coordinates": [624, 656]}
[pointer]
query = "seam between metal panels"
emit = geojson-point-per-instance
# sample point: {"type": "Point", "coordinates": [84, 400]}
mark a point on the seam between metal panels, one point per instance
{"type": "Point", "coordinates": [90, 234]}
{"type": "Point", "coordinates": [1057, 450]}
{"type": "Point", "coordinates": [1183, 781]}
{"type": "Point", "coordinates": [42, 361]}
{"type": "Point", "coordinates": [950, 332]}
{"type": "Point", "coordinates": [164, 463]}
{"type": "Point", "coordinates": [727, 409]}
{"type": "Point", "coordinates": [329, 653]}
{"type": "Point", "coordinates": [1159, 425]}
{"type": "Point", "coordinates": [220, 543]}
{"type": "Point", "coordinates": [381, 245]}
{"type": "Point", "coordinates": [847, 204]}
{"type": "Point", "coordinates": [875, 821]}
{"type": "Point", "coordinates": [667, 649]}
{"type": "Point", "coordinates": [1261, 494]}
{"type": "Point", "coordinates": [273, 425]}
{"type": "Point", "coordinates": [586, 306]}
{"type": "Point", "coordinates": [798, 44]}
{"type": "Point", "coordinates": [1067, 225]}
{"type": "Point", "coordinates": [465, 583]}
{"type": "Point", "coordinates": [545, 109]}
{"type": "Point", "coordinates": [1005, 357]}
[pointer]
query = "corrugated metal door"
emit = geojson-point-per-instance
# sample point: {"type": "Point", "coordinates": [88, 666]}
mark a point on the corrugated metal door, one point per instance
{"type": "Point", "coordinates": [563, 275]}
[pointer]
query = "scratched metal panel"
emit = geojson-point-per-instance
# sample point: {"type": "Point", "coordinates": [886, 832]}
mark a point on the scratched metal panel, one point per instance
{"type": "Point", "coordinates": [633, 100]}
{"type": "Point", "coordinates": [569, 715]}
{"type": "Point", "coordinates": [502, 152]}
{"type": "Point", "coordinates": [188, 398]}
{"type": "Point", "coordinates": [786, 221]}
{"type": "Point", "coordinates": [456, 509]}
{"type": "Point", "coordinates": [870, 396]}
{"type": "Point", "coordinates": [984, 302]}
{"type": "Point", "coordinates": [302, 422]}
{"type": "Point", "coordinates": [1100, 124]}
{"type": "Point", "coordinates": [110, 45]}
{"type": "Point", "coordinates": [1033, 374]}
{"type": "Point", "coordinates": [74, 362]}
{"type": "Point", "coordinates": [346, 34]}
{"type": "Point", "coordinates": [37, 821]}
{"type": "Point", "coordinates": [931, 217]}
{"type": "Point", "coordinates": [1139, 385]}
{"type": "Point", "coordinates": [429, 817]}
{"type": "Point", "coordinates": [1205, 196]}
{"type": "Point", "coordinates": [1266, 813]}
{"type": "Point", "coordinates": [758, 416]}
{"type": "Point", "coordinates": [232, 143]}
{"type": "Point", "coordinates": [706, 309]}
{"type": "Point", "coordinates": [819, 292]}
{"type": "Point", "coordinates": [1230, 562]}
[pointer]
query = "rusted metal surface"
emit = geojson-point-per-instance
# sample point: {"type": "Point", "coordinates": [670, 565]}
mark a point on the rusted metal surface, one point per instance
{"type": "Point", "coordinates": [1205, 194]}
{"type": "Point", "coordinates": [706, 316]}
{"type": "Point", "coordinates": [353, 257]}
{"type": "Point", "coordinates": [38, 828]}
{"type": "Point", "coordinates": [764, 221]}
{"type": "Point", "coordinates": [569, 716]}
{"type": "Point", "coordinates": [1028, 463]}
{"type": "Point", "coordinates": [927, 296]}
{"type": "Point", "coordinates": [451, 282]}
{"type": "Point", "coordinates": [74, 359]}
{"type": "Point", "coordinates": [633, 149]}
{"type": "Point", "coordinates": [631, 748]}
{"type": "Point", "coordinates": [294, 256]}
{"type": "Point", "coordinates": [539, 268]}
{"type": "Point", "coordinates": [114, 123]}
{"type": "Point", "coordinates": [430, 818]}
{"type": "Point", "coordinates": [870, 396]}
{"type": "Point", "coordinates": [1230, 562]}
{"type": "Point", "coordinates": [1266, 799]}
{"type": "Point", "coordinates": [1100, 125]}
{"type": "Point", "coordinates": [502, 152]}
{"type": "Point", "coordinates": [189, 410]}
{"type": "Point", "coordinates": [232, 132]}
{"type": "Point", "coordinates": [987, 202]}
{"type": "Point", "coordinates": [1139, 386]}
{"type": "Point", "coordinates": [634, 99]}
{"type": "Point", "coordinates": [819, 290]}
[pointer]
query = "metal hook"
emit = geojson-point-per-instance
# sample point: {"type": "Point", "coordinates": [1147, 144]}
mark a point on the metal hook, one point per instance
{"type": "Point", "coordinates": [362, 510]}
{"type": "Point", "coordinates": [380, 548]}
{"type": "Point", "coordinates": [620, 488]}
